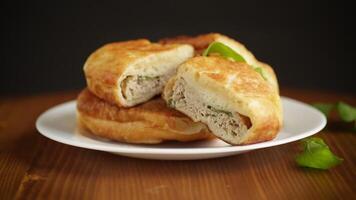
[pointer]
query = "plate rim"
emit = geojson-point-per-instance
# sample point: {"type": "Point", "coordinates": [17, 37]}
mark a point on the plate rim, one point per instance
{"type": "Point", "coordinates": [136, 149]}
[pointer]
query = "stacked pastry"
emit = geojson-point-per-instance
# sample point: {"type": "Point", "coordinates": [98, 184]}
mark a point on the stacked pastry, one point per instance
{"type": "Point", "coordinates": [210, 85]}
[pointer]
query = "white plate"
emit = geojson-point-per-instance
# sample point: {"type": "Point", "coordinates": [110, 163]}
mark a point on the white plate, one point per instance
{"type": "Point", "coordinates": [59, 124]}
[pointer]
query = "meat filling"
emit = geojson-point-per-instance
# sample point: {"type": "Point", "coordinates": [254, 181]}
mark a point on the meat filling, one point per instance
{"type": "Point", "coordinates": [224, 123]}
{"type": "Point", "coordinates": [138, 88]}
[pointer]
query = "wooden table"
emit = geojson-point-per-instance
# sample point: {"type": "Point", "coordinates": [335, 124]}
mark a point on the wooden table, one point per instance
{"type": "Point", "coordinates": [34, 167]}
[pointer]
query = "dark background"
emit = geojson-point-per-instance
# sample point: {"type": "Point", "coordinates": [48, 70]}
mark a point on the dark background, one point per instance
{"type": "Point", "coordinates": [44, 44]}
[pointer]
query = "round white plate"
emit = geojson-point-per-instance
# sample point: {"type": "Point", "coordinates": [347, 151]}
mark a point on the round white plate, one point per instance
{"type": "Point", "coordinates": [59, 124]}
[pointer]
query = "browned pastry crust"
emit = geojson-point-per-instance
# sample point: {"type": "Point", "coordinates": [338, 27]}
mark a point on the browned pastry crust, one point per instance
{"type": "Point", "coordinates": [150, 123]}
{"type": "Point", "coordinates": [199, 42]}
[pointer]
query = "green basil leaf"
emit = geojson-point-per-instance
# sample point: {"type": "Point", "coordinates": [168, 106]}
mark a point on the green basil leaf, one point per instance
{"type": "Point", "coordinates": [261, 71]}
{"type": "Point", "coordinates": [171, 103]}
{"type": "Point", "coordinates": [317, 155]}
{"type": "Point", "coordinates": [224, 51]}
{"type": "Point", "coordinates": [347, 113]}
{"type": "Point", "coordinates": [229, 53]}
{"type": "Point", "coordinates": [324, 108]}
{"type": "Point", "coordinates": [219, 111]}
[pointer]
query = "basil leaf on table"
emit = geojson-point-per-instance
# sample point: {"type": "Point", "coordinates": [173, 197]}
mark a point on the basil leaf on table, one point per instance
{"type": "Point", "coordinates": [317, 155]}
{"type": "Point", "coordinates": [224, 51]}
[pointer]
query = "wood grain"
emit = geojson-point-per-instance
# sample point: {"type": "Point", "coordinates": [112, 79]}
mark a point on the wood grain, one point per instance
{"type": "Point", "coordinates": [33, 167]}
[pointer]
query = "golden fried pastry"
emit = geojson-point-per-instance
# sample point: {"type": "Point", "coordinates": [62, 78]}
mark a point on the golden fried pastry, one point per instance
{"type": "Point", "coordinates": [236, 102]}
{"type": "Point", "coordinates": [132, 72]}
{"type": "Point", "coordinates": [150, 123]}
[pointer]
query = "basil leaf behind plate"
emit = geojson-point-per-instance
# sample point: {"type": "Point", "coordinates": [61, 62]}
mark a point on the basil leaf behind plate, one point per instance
{"type": "Point", "coordinates": [347, 113]}
{"type": "Point", "coordinates": [324, 108]}
{"type": "Point", "coordinates": [317, 155]}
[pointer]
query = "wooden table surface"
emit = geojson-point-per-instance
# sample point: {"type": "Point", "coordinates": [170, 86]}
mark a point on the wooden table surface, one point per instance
{"type": "Point", "coordinates": [34, 167]}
